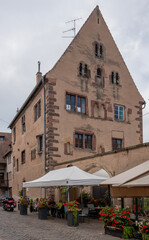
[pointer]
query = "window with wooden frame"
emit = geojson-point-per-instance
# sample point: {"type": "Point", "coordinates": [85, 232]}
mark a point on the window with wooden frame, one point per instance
{"type": "Point", "coordinates": [78, 140]}
{"type": "Point", "coordinates": [75, 103]}
{"type": "Point", "coordinates": [23, 125]}
{"type": "Point", "coordinates": [23, 157]}
{"type": "Point", "coordinates": [116, 143]}
{"type": "Point", "coordinates": [40, 143]}
{"type": "Point", "coordinates": [119, 112]}
{"type": "Point", "coordinates": [88, 141]}
{"type": "Point", "coordinates": [85, 141]}
{"type": "Point", "coordinates": [37, 110]}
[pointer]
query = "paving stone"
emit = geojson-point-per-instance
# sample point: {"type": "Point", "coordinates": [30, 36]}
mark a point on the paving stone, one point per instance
{"type": "Point", "coordinates": [17, 227]}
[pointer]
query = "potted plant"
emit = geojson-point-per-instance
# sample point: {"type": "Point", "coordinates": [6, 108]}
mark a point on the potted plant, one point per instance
{"type": "Point", "coordinates": [43, 208]}
{"type": "Point", "coordinates": [72, 213]}
{"type": "Point", "coordinates": [31, 208]}
{"type": "Point", "coordinates": [23, 204]}
{"type": "Point", "coordinates": [117, 222]}
{"type": "Point", "coordinates": [144, 229]}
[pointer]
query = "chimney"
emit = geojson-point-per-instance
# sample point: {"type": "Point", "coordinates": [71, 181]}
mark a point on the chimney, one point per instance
{"type": "Point", "coordinates": [38, 74]}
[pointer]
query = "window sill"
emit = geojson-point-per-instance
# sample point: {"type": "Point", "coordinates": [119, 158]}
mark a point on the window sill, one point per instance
{"type": "Point", "coordinates": [121, 121]}
{"type": "Point", "coordinates": [68, 154]}
{"type": "Point", "coordinates": [79, 113]}
{"type": "Point", "coordinates": [85, 150]}
{"type": "Point", "coordinates": [83, 76]}
{"type": "Point", "coordinates": [99, 57]}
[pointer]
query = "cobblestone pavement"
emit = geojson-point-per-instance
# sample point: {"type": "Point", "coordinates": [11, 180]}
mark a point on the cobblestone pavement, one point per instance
{"type": "Point", "coordinates": [14, 226]}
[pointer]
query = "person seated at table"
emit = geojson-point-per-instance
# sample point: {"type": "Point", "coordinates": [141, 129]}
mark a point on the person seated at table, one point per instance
{"type": "Point", "coordinates": [60, 209]}
{"type": "Point", "coordinates": [52, 206]}
{"type": "Point", "coordinates": [35, 204]}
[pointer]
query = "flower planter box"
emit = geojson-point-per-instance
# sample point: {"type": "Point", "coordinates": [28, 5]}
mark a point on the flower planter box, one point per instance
{"type": "Point", "coordinates": [113, 231]}
{"type": "Point", "coordinates": [23, 210]}
{"type": "Point", "coordinates": [70, 219]}
{"type": "Point", "coordinates": [43, 213]}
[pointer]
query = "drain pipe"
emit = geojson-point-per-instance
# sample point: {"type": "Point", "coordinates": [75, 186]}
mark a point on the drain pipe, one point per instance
{"type": "Point", "coordinates": [43, 83]}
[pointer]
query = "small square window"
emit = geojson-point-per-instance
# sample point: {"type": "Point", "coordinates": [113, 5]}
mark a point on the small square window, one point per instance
{"type": "Point", "coordinates": [116, 143]}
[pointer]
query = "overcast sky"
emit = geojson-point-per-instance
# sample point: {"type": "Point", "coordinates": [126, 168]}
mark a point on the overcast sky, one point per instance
{"type": "Point", "coordinates": [31, 30]}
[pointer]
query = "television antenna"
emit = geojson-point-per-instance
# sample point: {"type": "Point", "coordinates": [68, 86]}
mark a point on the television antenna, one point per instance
{"type": "Point", "coordinates": [72, 29]}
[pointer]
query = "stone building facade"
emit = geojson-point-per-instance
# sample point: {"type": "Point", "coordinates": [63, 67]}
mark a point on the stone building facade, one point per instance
{"type": "Point", "coordinates": [87, 104]}
{"type": "Point", "coordinates": [5, 141]}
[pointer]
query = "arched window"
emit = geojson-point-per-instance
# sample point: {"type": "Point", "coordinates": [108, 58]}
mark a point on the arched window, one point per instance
{"type": "Point", "coordinates": [96, 50]}
{"type": "Point", "coordinates": [80, 69]}
{"type": "Point", "coordinates": [99, 73]}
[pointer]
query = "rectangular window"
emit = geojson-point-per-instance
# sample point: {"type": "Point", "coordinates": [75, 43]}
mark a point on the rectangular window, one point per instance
{"type": "Point", "coordinates": [37, 110]}
{"type": "Point", "coordinates": [78, 140]}
{"type": "Point", "coordinates": [13, 161]}
{"type": "Point", "coordinates": [23, 157]}
{"type": "Point", "coordinates": [14, 134]}
{"type": "Point", "coordinates": [23, 125]}
{"type": "Point", "coordinates": [116, 143]}
{"type": "Point", "coordinates": [119, 112]}
{"type": "Point", "coordinates": [1, 138]}
{"type": "Point", "coordinates": [81, 104]}
{"type": "Point", "coordinates": [40, 143]}
{"type": "Point", "coordinates": [84, 141]}
{"type": "Point", "coordinates": [88, 141]}
{"type": "Point", "coordinates": [75, 103]}
{"type": "Point", "coordinates": [70, 102]}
